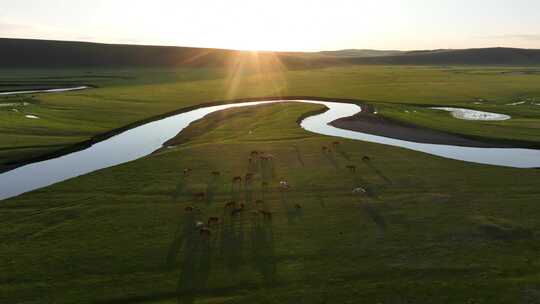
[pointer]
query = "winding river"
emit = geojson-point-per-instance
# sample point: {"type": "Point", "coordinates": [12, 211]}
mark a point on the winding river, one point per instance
{"type": "Point", "coordinates": [44, 91]}
{"type": "Point", "coordinates": [143, 140]}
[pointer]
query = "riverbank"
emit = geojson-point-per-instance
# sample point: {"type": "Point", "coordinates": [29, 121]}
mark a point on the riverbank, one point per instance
{"type": "Point", "coordinates": [368, 121]}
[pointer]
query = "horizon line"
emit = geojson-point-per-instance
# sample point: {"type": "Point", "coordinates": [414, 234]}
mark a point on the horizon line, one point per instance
{"type": "Point", "coordinates": [269, 51]}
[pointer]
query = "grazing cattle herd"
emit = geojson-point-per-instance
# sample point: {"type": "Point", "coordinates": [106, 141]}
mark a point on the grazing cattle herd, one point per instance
{"type": "Point", "coordinates": [235, 209]}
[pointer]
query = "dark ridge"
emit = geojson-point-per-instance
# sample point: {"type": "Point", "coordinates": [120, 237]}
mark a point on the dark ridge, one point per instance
{"type": "Point", "coordinates": [361, 53]}
{"type": "Point", "coordinates": [27, 53]}
{"type": "Point", "coordinates": [486, 56]}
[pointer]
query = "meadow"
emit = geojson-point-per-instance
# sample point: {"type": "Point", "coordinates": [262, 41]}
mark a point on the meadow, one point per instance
{"type": "Point", "coordinates": [426, 230]}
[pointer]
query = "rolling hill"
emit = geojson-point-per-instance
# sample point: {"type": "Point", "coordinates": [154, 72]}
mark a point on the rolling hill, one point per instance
{"type": "Point", "coordinates": [483, 56]}
{"type": "Point", "coordinates": [18, 53]}
{"type": "Point", "coordinates": [361, 53]}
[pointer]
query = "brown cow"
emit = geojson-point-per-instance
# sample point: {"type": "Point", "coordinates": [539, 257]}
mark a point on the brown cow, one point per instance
{"type": "Point", "coordinates": [297, 206]}
{"type": "Point", "coordinates": [200, 196]}
{"type": "Point", "coordinates": [266, 214]}
{"type": "Point", "coordinates": [230, 205]}
{"type": "Point", "coordinates": [366, 158]}
{"type": "Point", "coordinates": [237, 211]}
{"type": "Point", "coordinates": [335, 144]}
{"type": "Point", "coordinates": [205, 232]}
{"type": "Point", "coordinates": [213, 220]}
{"type": "Point", "coordinates": [351, 168]}
{"type": "Point", "coordinates": [216, 173]}
{"type": "Point", "coordinates": [237, 179]}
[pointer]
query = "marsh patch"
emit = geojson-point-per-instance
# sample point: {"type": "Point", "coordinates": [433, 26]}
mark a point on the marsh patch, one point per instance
{"type": "Point", "coordinates": [468, 114]}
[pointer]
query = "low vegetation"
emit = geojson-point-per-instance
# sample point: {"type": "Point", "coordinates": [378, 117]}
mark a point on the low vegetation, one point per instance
{"type": "Point", "coordinates": [423, 230]}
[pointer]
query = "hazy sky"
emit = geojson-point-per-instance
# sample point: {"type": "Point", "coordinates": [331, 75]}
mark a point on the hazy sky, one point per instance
{"type": "Point", "coordinates": [280, 24]}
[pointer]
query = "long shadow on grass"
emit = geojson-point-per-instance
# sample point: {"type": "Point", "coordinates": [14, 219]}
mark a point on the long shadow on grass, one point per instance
{"type": "Point", "coordinates": [318, 190]}
{"type": "Point", "coordinates": [343, 153]}
{"type": "Point", "coordinates": [211, 188]}
{"type": "Point", "coordinates": [299, 156]}
{"type": "Point", "coordinates": [195, 261]}
{"type": "Point", "coordinates": [378, 172]}
{"type": "Point", "coordinates": [375, 215]}
{"type": "Point", "coordinates": [262, 249]}
{"type": "Point", "coordinates": [179, 189]}
{"type": "Point", "coordinates": [294, 214]}
{"type": "Point", "coordinates": [330, 157]}
{"type": "Point", "coordinates": [232, 239]}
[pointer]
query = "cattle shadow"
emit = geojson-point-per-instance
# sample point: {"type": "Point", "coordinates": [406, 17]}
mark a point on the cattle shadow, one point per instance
{"type": "Point", "coordinates": [236, 190]}
{"type": "Point", "coordinates": [262, 249]}
{"type": "Point", "coordinates": [378, 172]}
{"type": "Point", "coordinates": [267, 169]}
{"type": "Point", "coordinates": [248, 188]}
{"type": "Point", "coordinates": [317, 190]}
{"type": "Point", "coordinates": [299, 156]}
{"type": "Point", "coordinates": [232, 239]}
{"type": "Point", "coordinates": [371, 210]}
{"type": "Point", "coordinates": [343, 153]}
{"type": "Point", "coordinates": [293, 213]}
{"type": "Point", "coordinates": [330, 157]}
{"type": "Point", "coordinates": [211, 188]}
{"type": "Point", "coordinates": [179, 189]}
{"type": "Point", "coordinates": [195, 262]}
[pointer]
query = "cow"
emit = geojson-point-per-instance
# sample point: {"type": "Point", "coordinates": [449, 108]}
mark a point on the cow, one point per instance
{"type": "Point", "coordinates": [200, 196]}
{"type": "Point", "coordinates": [205, 232]}
{"type": "Point", "coordinates": [236, 211]}
{"type": "Point", "coordinates": [230, 205]}
{"type": "Point", "coordinates": [366, 158]}
{"type": "Point", "coordinates": [213, 220]}
{"type": "Point", "coordinates": [266, 214]}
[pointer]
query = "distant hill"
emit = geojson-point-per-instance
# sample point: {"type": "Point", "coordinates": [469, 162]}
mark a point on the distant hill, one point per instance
{"type": "Point", "coordinates": [60, 54]}
{"type": "Point", "coordinates": [19, 53]}
{"type": "Point", "coordinates": [484, 56]}
{"type": "Point", "coordinates": [360, 53]}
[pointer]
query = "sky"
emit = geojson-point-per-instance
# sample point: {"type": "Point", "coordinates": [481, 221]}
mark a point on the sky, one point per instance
{"type": "Point", "coordinates": [280, 25]}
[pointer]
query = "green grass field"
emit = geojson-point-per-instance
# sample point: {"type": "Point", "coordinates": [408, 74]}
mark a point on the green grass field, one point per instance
{"type": "Point", "coordinates": [126, 96]}
{"type": "Point", "coordinates": [429, 230]}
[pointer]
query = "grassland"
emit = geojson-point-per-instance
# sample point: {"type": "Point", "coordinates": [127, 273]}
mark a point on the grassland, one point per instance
{"type": "Point", "coordinates": [125, 96]}
{"type": "Point", "coordinates": [429, 230]}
